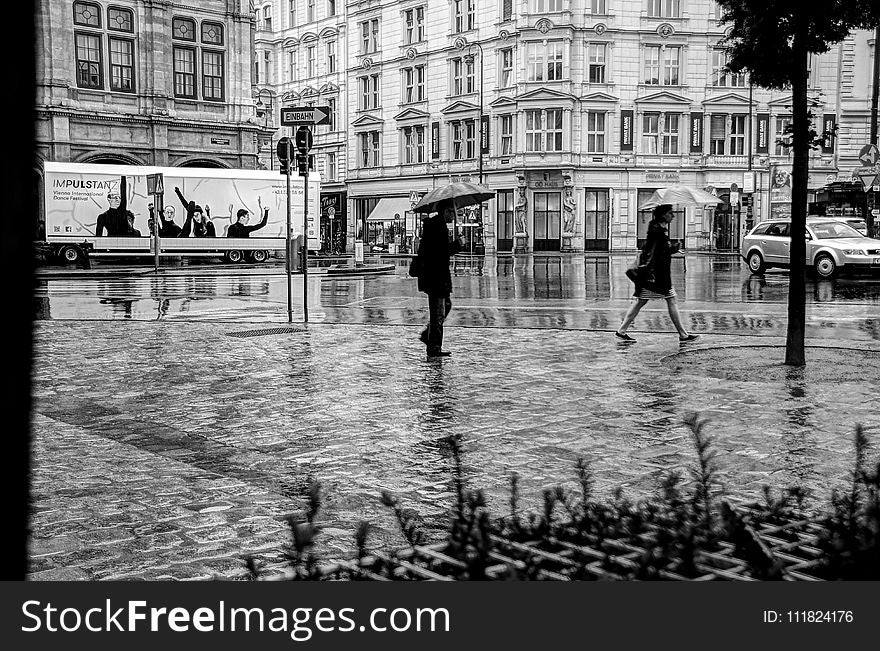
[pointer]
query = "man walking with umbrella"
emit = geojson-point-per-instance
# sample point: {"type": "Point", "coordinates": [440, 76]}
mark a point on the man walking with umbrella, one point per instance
{"type": "Point", "coordinates": [435, 280]}
{"type": "Point", "coordinates": [435, 250]}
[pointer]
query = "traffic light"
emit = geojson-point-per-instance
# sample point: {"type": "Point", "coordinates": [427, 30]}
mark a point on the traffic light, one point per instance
{"type": "Point", "coordinates": [285, 168]}
{"type": "Point", "coordinates": [304, 163]}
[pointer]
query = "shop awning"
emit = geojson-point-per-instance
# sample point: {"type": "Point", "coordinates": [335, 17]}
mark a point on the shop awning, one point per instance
{"type": "Point", "coordinates": [388, 207]}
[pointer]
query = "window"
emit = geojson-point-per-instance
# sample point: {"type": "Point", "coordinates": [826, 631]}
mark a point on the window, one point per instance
{"type": "Point", "coordinates": [671, 124]}
{"type": "Point", "coordinates": [212, 75]}
{"type": "Point", "coordinates": [506, 9]}
{"type": "Point", "coordinates": [717, 11]}
{"type": "Point", "coordinates": [597, 7]}
{"type": "Point", "coordinates": [184, 72]}
{"type": "Point", "coordinates": [291, 13]}
{"type": "Point", "coordinates": [331, 7]}
{"type": "Point", "coordinates": [596, 64]}
{"type": "Point", "coordinates": [121, 64]}
{"type": "Point", "coordinates": [331, 104]}
{"type": "Point", "coordinates": [331, 166]}
{"type": "Point", "coordinates": [543, 130]}
{"type": "Point", "coordinates": [463, 79]}
{"type": "Point", "coordinates": [310, 11]}
{"type": "Point", "coordinates": [413, 144]}
{"type": "Point", "coordinates": [650, 133]}
{"type": "Point", "coordinates": [737, 135]}
{"type": "Point", "coordinates": [370, 36]}
{"type": "Point", "coordinates": [212, 33]}
{"type": "Point", "coordinates": [662, 65]}
{"type": "Point", "coordinates": [464, 139]}
{"type": "Point", "coordinates": [543, 6]}
{"type": "Point", "coordinates": [721, 77]}
{"type": "Point", "coordinates": [120, 20]}
{"type": "Point", "coordinates": [506, 68]}
{"type": "Point", "coordinates": [664, 8]}
{"type": "Point", "coordinates": [369, 91]}
{"type": "Point", "coordinates": [310, 60]}
{"type": "Point", "coordinates": [267, 18]}
{"type": "Point", "coordinates": [414, 84]}
{"type": "Point", "coordinates": [717, 134]}
{"type": "Point", "coordinates": [331, 57]}
{"type": "Point", "coordinates": [86, 14]}
{"type": "Point", "coordinates": [414, 20]}
{"type": "Point", "coordinates": [89, 67]}
{"type": "Point", "coordinates": [506, 124]}
{"type": "Point", "coordinates": [267, 67]}
{"type": "Point", "coordinates": [369, 148]}
{"type": "Point", "coordinates": [783, 137]}
{"type": "Point", "coordinates": [464, 14]}
{"type": "Point", "coordinates": [291, 67]}
{"type": "Point", "coordinates": [545, 61]}
{"type": "Point", "coordinates": [596, 132]}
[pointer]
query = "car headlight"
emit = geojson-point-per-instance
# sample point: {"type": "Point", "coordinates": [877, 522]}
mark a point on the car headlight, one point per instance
{"type": "Point", "coordinates": [854, 252]}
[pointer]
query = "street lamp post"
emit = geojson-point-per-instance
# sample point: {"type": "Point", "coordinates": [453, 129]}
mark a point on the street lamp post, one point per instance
{"type": "Point", "coordinates": [462, 43]}
{"type": "Point", "coordinates": [264, 111]}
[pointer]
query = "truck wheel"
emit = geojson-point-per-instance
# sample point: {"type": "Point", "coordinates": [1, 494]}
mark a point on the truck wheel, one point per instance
{"type": "Point", "coordinates": [234, 256]}
{"type": "Point", "coordinates": [259, 256]}
{"type": "Point", "coordinates": [825, 266]}
{"type": "Point", "coordinates": [70, 254]}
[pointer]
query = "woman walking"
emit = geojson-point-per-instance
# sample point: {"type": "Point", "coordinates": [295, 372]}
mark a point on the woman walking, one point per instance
{"type": "Point", "coordinates": [656, 257]}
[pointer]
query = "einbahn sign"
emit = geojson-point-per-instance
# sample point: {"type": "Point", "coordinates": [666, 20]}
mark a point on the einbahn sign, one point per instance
{"type": "Point", "coordinates": [305, 115]}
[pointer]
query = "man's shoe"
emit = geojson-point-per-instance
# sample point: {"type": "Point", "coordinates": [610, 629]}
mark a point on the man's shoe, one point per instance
{"type": "Point", "coordinates": [623, 336]}
{"type": "Point", "coordinates": [424, 337]}
{"type": "Point", "coordinates": [687, 339]}
{"type": "Point", "coordinates": [440, 353]}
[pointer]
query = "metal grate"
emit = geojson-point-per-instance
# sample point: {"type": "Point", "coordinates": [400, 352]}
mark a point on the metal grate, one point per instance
{"type": "Point", "coordinates": [264, 332]}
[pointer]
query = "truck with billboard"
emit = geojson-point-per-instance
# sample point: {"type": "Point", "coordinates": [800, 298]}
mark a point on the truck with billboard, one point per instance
{"type": "Point", "coordinates": [107, 210]}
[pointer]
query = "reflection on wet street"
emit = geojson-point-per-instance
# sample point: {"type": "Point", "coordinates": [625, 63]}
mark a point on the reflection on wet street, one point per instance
{"type": "Point", "coordinates": [717, 293]}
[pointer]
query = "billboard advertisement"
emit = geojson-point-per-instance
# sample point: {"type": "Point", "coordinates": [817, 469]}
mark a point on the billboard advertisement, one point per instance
{"type": "Point", "coordinates": [780, 191]}
{"type": "Point", "coordinates": [90, 202]}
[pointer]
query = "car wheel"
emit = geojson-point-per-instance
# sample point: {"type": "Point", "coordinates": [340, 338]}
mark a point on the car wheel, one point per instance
{"type": "Point", "coordinates": [756, 263]}
{"type": "Point", "coordinates": [259, 255]}
{"type": "Point", "coordinates": [70, 254]}
{"type": "Point", "coordinates": [234, 256]}
{"type": "Point", "coordinates": [825, 266]}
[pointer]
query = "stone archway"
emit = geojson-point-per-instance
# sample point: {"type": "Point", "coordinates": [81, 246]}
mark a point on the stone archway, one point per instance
{"type": "Point", "coordinates": [202, 162]}
{"type": "Point", "coordinates": [109, 158]}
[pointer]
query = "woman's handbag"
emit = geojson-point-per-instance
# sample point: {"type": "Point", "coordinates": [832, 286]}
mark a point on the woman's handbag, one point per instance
{"type": "Point", "coordinates": [415, 267]}
{"type": "Point", "coordinates": [639, 274]}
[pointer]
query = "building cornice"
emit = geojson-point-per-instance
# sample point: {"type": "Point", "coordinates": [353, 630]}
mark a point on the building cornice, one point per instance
{"type": "Point", "coordinates": [48, 112]}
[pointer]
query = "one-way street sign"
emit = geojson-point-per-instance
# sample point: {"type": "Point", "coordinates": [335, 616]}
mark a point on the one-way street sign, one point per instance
{"type": "Point", "coordinates": [305, 115]}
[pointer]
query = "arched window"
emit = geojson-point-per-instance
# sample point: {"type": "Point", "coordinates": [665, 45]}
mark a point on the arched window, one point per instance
{"type": "Point", "coordinates": [86, 14]}
{"type": "Point", "coordinates": [184, 29]}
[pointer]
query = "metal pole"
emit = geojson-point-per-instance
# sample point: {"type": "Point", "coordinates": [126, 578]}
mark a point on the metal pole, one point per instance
{"type": "Point", "coordinates": [289, 247]}
{"type": "Point", "coordinates": [306, 244]}
{"type": "Point", "coordinates": [875, 93]}
{"type": "Point", "coordinates": [480, 150]}
{"type": "Point", "coordinates": [159, 203]}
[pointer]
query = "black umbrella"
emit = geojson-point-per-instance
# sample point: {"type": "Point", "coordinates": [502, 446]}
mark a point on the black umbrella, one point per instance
{"type": "Point", "coordinates": [461, 194]}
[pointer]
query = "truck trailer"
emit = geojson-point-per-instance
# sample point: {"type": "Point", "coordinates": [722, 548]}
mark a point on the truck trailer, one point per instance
{"type": "Point", "coordinates": [106, 210]}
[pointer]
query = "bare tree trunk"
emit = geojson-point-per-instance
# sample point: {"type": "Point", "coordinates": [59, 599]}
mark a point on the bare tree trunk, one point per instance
{"type": "Point", "coordinates": [794, 341]}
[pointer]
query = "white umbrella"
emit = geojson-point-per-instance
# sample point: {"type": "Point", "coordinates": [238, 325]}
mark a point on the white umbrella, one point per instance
{"type": "Point", "coordinates": [679, 195]}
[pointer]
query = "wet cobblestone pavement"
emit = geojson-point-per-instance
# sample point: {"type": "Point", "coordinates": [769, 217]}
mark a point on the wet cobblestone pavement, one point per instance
{"type": "Point", "coordinates": [171, 449]}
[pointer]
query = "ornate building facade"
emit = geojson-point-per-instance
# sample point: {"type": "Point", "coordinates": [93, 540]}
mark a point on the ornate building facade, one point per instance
{"type": "Point", "coordinates": [146, 82]}
{"type": "Point", "coordinates": [573, 111]}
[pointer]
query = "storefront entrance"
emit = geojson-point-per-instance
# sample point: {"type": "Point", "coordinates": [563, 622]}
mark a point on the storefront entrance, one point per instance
{"type": "Point", "coordinates": [504, 220]}
{"type": "Point", "coordinates": [725, 225]}
{"type": "Point", "coordinates": [548, 220]}
{"type": "Point", "coordinates": [596, 220]}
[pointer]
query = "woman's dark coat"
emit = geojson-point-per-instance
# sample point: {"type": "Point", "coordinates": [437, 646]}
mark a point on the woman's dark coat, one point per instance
{"type": "Point", "coordinates": [656, 255]}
